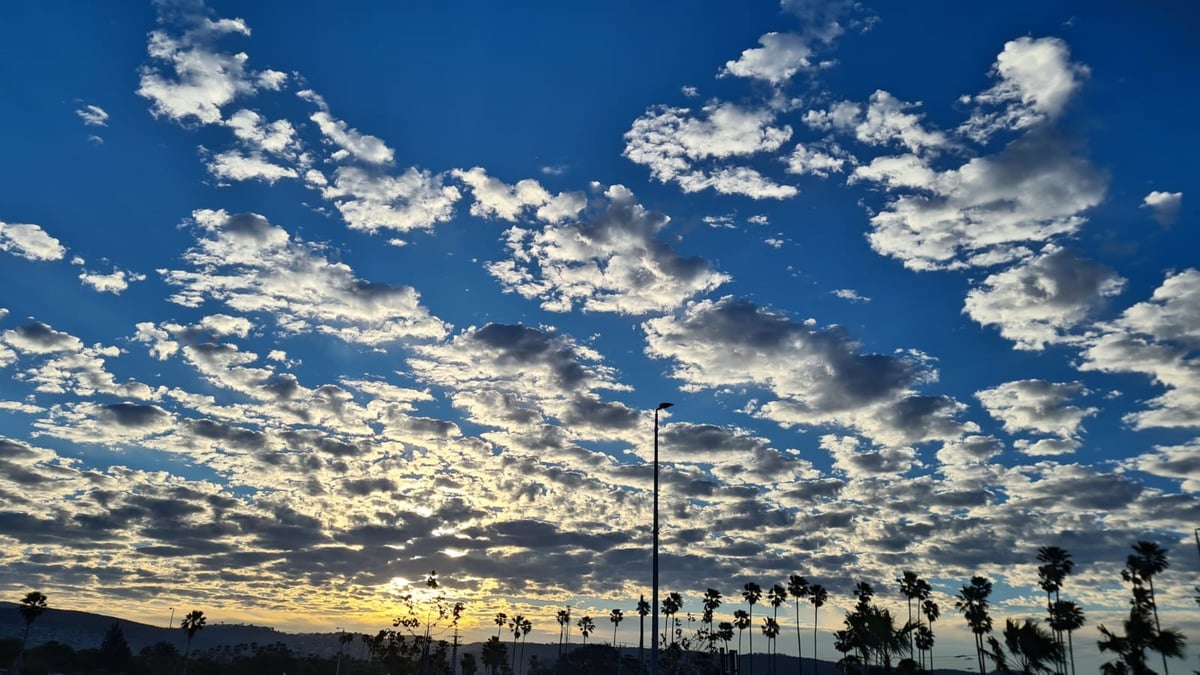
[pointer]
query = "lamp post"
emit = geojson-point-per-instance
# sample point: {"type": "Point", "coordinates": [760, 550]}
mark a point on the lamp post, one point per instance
{"type": "Point", "coordinates": [654, 594]}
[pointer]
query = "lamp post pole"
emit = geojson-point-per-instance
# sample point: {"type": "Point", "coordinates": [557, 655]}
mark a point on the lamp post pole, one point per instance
{"type": "Point", "coordinates": [654, 594]}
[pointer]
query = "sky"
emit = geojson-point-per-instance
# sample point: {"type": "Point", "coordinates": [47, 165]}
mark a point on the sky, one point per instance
{"type": "Point", "coordinates": [298, 304]}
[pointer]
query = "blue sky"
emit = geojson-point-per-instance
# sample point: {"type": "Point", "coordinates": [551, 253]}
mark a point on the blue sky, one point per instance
{"type": "Point", "coordinates": [301, 304]}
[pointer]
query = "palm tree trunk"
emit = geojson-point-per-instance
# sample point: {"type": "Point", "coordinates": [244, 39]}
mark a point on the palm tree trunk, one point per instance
{"type": "Point", "coordinates": [642, 641]}
{"type": "Point", "coordinates": [814, 656]}
{"type": "Point", "coordinates": [1157, 625]}
{"type": "Point", "coordinates": [751, 639]}
{"type": "Point", "coordinates": [1071, 646]}
{"type": "Point", "coordinates": [799, 651]}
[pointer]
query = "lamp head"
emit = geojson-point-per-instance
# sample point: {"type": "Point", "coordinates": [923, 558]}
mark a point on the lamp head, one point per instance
{"type": "Point", "coordinates": [664, 406]}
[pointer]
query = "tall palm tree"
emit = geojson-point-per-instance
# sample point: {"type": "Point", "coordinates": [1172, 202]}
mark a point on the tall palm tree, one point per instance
{"type": "Point", "coordinates": [972, 601]}
{"type": "Point", "coordinates": [643, 608]}
{"type": "Point", "coordinates": [564, 628]}
{"type": "Point", "coordinates": [516, 625]}
{"type": "Point", "coordinates": [615, 616]}
{"type": "Point", "coordinates": [797, 587]}
{"type": "Point", "coordinates": [712, 601]}
{"type": "Point", "coordinates": [1140, 635]}
{"type": "Point", "coordinates": [1067, 617]}
{"type": "Point", "coordinates": [501, 620]}
{"type": "Point", "coordinates": [586, 627]}
{"type": "Point", "coordinates": [670, 606]}
{"type": "Point", "coordinates": [1056, 565]}
{"type": "Point", "coordinates": [741, 621]}
{"type": "Point", "coordinates": [192, 623]}
{"type": "Point", "coordinates": [818, 596]}
{"type": "Point", "coordinates": [770, 629]}
{"type": "Point", "coordinates": [932, 612]}
{"type": "Point", "coordinates": [1147, 561]}
{"type": "Point", "coordinates": [32, 606]}
{"type": "Point", "coordinates": [725, 633]}
{"type": "Point", "coordinates": [752, 593]}
{"type": "Point", "coordinates": [910, 588]}
{"type": "Point", "coordinates": [526, 629]}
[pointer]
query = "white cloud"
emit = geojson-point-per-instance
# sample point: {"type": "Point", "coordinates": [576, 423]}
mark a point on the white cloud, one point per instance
{"type": "Point", "coordinates": [1164, 205]}
{"type": "Point", "coordinates": [414, 200]}
{"type": "Point", "coordinates": [1036, 80]}
{"type": "Point", "coordinates": [671, 143]}
{"type": "Point", "coordinates": [612, 263]}
{"type": "Point", "coordinates": [278, 137]}
{"type": "Point", "coordinates": [1039, 301]}
{"type": "Point", "coordinates": [818, 160]}
{"type": "Point", "coordinates": [1179, 462]}
{"type": "Point", "coordinates": [1034, 190]}
{"type": "Point", "coordinates": [30, 242]}
{"type": "Point", "coordinates": [115, 282]}
{"type": "Point", "coordinates": [780, 56]}
{"type": "Point", "coordinates": [201, 81]}
{"type": "Point", "coordinates": [1157, 338]}
{"type": "Point", "coordinates": [887, 121]}
{"type": "Point", "coordinates": [494, 198]}
{"type": "Point", "coordinates": [93, 116]}
{"type": "Point", "coordinates": [363, 146]}
{"type": "Point", "coordinates": [250, 265]}
{"type": "Point", "coordinates": [1037, 406]}
{"type": "Point", "coordinates": [235, 165]}
{"type": "Point", "coordinates": [850, 294]}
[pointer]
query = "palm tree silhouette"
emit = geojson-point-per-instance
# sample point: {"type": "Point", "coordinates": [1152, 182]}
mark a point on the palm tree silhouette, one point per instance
{"type": "Point", "coordinates": [1067, 617]}
{"type": "Point", "coordinates": [818, 596]}
{"type": "Point", "coordinates": [1056, 565]}
{"type": "Point", "coordinates": [670, 606]}
{"type": "Point", "coordinates": [973, 603]}
{"type": "Point", "coordinates": [643, 608]}
{"type": "Point", "coordinates": [564, 628]}
{"type": "Point", "coordinates": [32, 606]}
{"type": "Point", "coordinates": [741, 621]}
{"type": "Point", "coordinates": [500, 621]}
{"type": "Point", "coordinates": [776, 596]}
{"type": "Point", "coordinates": [1035, 648]}
{"type": "Point", "coordinates": [932, 612]}
{"type": "Point", "coordinates": [192, 623]}
{"type": "Point", "coordinates": [586, 627]}
{"type": "Point", "coordinates": [1148, 560]}
{"type": "Point", "coordinates": [912, 587]}
{"type": "Point", "coordinates": [797, 587]}
{"type": "Point", "coordinates": [516, 625]}
{"type": "Point", "coordinates": [712, 600]}
{"type": "Point", "coordinates": [615, 616]}
{"type": "Point", "coordinates": [752, 592]}
{"type": "Point", "coordinates": [770, 629]}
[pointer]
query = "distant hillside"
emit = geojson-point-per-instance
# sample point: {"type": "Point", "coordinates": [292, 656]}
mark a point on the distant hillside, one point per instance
{"type": "Point", "coordinates": [82, 630]}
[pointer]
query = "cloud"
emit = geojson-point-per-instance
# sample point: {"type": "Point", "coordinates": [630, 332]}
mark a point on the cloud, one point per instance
{"type": "Point", "coordinates": [1037, 406]}
{"type": "Point", "coordinates": [1157, 338]}
{"type": "Point", "coordinates": [780, 56]}
{"type": "Point", "coordinates": [1178, 462]}
{"type": "Point", "coordinates": [1036, 79]}
{"type": "Point", "coordinates": [249, 265]}
{"type": "Point", "coordinates": [30, 242]}
{"type": "Point", "coordinates": [199, 81]}
{"type": "Point", "coordinates": [493, 198]}
{"type": "Point", "coordinates": [850, 294]}
{"type": "Point", "coordinates": [1165, 206]}
{"type": "Point", "coordinates": [612, 262]}
{"type": "Point", "coordinates": [1038, 301]}
{"type": "Point", "coordinates": [114, 282]}
{"type": "Point", "coordinates": [414, 200]}
{"type": "Point", "coordinates": [363, 146]}
{"type": "Point", "coordinates": [278, 137]}
{"type": "Point", "coordinates": [1033, 190]}
{"type": "Point", "coordinates": [235, 165]}
{"type": "Point", "coordinates": [93, 116]}
{"type": "Point", "coordinates": [817, 376]}
{"type": "Point", "coordinates": [671, 143]}
{"type": "Point", "coordinates": [818, 159]}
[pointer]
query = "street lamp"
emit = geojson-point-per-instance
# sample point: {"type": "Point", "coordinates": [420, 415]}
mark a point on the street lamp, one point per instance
{"type": "Point", "coordinates": [654, 594]}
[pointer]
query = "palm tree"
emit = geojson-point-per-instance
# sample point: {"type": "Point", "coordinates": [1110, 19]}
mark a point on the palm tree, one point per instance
{"type": "Point", "coordinates": [493, 654]}
{"type": "Point", "coordinates": [564, 628]}
{"type": "Point", "coordinates": [741, 621]}
{"type": "Point", "coordinates": [770, 629]}
{"type": "Point", "coordinates": [32, 606]}
{"type": "Point", "coordinates": [670, 606]}
{"type": "Point", "coordinates": [1067, 617]}
{"type": "Point", "coordinates": [500, 621]}
{"type": "Point", "coordinates": [752, 592]}
{"type": "Point", "coordinates": [924, 642]}
{"type": "Point", "coordinates": [973, 603]}
{"type": "Point", "coordinates": [932, 612]}
{"type": "Point", "coordinates": [192, 623]}
{"type": "Point", "coordinates": [643, 608]}
{"type": "Point", "coordinates": [1148, 560]}
{"type": "Point", "coordinates": [712, 601]}
{"type": "Point", "coordinates": [1056, 565]}
{"type": "Point", "coordinates": [615, 616]}
{"type": "Point", "coordinates": [725, 633]}
{"type": "Point", "coordinates": [1034, 648]}
{"type": "Point", "coordinates": [516, 625]}
{"type": "Point", "coordinates": [586, 627]}
{"type": "Point", "coordinates": [913, 587]}
{"type": "Point", "coordinates": [1140, 635]}
{"type": "Point", "coordinates": [817, 595]}
{"type": "Point", "coordinates": [797, 587]}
